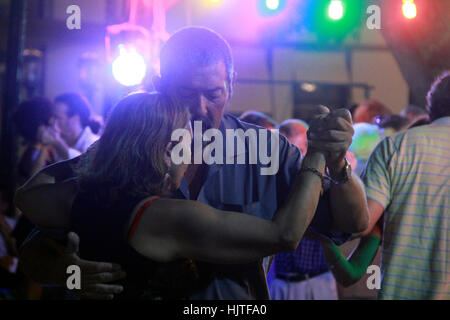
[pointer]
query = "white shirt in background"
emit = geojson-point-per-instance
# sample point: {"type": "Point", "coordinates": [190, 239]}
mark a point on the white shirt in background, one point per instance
{"type": "Point", "coordinates": [86, 138]}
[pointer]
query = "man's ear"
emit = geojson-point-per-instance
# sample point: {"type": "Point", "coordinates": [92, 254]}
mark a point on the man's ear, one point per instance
{"type": "Point", "coordinates": [157, 83]}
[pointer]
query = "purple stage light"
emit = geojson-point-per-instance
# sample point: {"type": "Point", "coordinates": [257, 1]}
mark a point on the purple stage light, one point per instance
{"type": "Point", "coordinates": [129, 68]}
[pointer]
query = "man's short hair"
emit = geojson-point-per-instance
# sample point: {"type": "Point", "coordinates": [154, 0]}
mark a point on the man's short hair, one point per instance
{"type": "Point", "coordinates": [394, 121]}
{"type": "Point", "coordinates": [192, 47]}
{"type": "Point", "coordinates": [79, 105]}
{"type": "Point", "coordinates": [412, 111]}
{"type": "Point", "coordinates": [292, 127]}
{"type": "Point", "coordinates": [438, 97]}
{"type": "Point", "coordinates": [258, 118]}
{"type": "Point", "coordinates": [368, 110]}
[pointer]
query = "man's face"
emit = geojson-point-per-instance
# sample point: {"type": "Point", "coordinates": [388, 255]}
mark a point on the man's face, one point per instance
{"type": "Point", "coordinates": [298, 139]}
{"type": "Point", "coordinates": [206, 91]}
{"type": "Point", "coordinates": [66, 125]}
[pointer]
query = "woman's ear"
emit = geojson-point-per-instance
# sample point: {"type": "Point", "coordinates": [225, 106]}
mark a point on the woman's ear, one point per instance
{"type": "Point", "coordinates": [167, 154]}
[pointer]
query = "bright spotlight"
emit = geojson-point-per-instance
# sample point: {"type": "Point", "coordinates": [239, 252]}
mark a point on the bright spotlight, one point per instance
{"type": "Point", "coordinates": [409, 9]}
{"type": "Point", "coordinates": [272, 4]}
{"type": "Point", "coordinates": [129, 68]}
{"type": "Point", "coordinates": [336, 10]}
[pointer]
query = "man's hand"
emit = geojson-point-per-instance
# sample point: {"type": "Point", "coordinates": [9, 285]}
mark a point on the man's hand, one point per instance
{"type": "Point", "coordinates": [47, 263]}
{"type": "Point", "coordinates": [51, 136]}
{"type": "Point", "coordinates": [95, 276]}
{"type": "Point", "coordinates": [332, 134]}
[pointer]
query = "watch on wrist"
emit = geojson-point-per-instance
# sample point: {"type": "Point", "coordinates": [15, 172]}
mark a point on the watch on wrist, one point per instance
{"type": "Point", "coordinates": [346, 173]}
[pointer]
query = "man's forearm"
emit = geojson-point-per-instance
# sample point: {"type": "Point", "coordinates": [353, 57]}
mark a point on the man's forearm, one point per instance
{"type": "Point", "coordinates": [349, 206]}
{"type": "Point", "coordinates": [296, 214]}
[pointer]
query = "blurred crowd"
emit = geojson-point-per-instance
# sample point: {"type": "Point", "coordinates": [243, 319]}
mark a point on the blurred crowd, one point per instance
{"type": "Point", "coordinates": [51, 131]}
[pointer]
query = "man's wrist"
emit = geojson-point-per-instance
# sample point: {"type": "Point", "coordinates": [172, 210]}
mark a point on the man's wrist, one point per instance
{"type": "Point", "coordinates": [336, 170]}
{"type": "Point", "coordinates": [315, 158]}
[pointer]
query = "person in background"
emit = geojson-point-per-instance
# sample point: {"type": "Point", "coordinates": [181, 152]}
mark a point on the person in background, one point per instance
{"type": "Point", "coordinates": [295, 131]}
{"type": "Point", "coordinates": [74, 130]}
{"type": "Point", "coordinates": [392, 124]}
{"type": "Point", "coordinates": [31, 117]}
{"type": "Point", "coordinates": [415, 114]}
{"type": "Point", "coordinates": [365, 139]}
{"type": "Point", "coordinates": [407, 190]}
{"type": "Point", "coordinates": [348, 271]}
{"type": "Point", "coordinates": [302, 274]}
{"type": "Point", "coordinates": [368, 110]}
{"type": "Point", "coordinates": [259, 118]}
{"type": "Point", "coordinates": [9, 280]}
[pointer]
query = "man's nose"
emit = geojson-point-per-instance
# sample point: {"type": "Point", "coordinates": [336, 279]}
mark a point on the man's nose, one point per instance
{"type": "Point", "coordinates": [199, 107]}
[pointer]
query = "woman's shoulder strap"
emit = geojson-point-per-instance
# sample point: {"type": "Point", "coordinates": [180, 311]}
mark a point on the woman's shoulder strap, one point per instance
{"type": "Point", "coordinates": [142, 206]}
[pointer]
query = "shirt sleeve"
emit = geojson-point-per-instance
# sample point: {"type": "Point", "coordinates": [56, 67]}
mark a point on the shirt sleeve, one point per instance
{"type": "Point", "coordinates": [377, 175]}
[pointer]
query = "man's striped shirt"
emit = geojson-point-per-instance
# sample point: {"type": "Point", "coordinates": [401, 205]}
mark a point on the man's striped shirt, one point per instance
{"type": "Point", "coordinates": [409, 175]}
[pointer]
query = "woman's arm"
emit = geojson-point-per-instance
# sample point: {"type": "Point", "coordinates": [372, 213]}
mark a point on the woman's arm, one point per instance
{"type": "Point", "coordinates": [348, 272]}
{"type": "Point", "coordinates": [171, 229]}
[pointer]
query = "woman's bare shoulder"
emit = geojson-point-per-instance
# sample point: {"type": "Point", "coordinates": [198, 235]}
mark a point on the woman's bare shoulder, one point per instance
{"type": "Point", "coordinates": [166, 209]}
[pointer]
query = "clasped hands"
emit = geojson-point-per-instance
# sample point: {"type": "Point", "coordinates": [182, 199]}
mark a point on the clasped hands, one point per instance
{"type": "Point", "coordinates": [331, 133]}
{"type": "Point", "coordinates": [48, 135]}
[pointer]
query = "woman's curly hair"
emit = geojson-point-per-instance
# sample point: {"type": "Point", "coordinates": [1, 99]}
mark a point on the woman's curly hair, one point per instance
{"type": "Point", "coordinates": [128, 160]}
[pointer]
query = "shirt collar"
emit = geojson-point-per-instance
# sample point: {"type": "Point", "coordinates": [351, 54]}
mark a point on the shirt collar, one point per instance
{"type": "Point", "coordinates": [86, 133]}
{"type": "Point", "coordinates": [226, 123]}
{"type": "Point", "coordinates": [443, 120]}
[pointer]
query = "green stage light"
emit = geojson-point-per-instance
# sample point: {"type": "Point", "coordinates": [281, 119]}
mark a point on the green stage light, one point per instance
{"type": "Point", "coordinates": [336, 10]}
{"type": "Point", "coordinates": [334, 20]}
